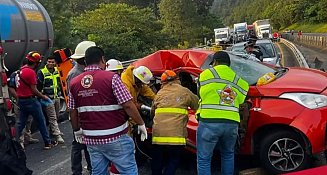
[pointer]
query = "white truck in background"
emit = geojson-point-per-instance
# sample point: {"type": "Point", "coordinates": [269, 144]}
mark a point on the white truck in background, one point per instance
{"type": "Point", "coordinates": [263, 29]}
{"type": "Point", "coordinates": [222, 35]}
{"type": "Point", "coordinates": [240, 32]}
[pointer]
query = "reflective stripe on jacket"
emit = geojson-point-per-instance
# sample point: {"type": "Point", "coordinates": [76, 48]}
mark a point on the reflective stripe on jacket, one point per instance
{"type": "Point", "coordinates": [101, 117]}
{"type": "Point", "coordinates": [50, 83]}
{"type": "Point", "coordinates": [171, 114]}
{"type": "Point", "coordinates": [221, 92]}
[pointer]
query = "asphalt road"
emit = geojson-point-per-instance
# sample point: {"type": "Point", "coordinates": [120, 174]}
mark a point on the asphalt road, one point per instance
{"type": "Point", "coordinates": [57, 160]}
{"type": "Point", "coordinates": [288, 59]}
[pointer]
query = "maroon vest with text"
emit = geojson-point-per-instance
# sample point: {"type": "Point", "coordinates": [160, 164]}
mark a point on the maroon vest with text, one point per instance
{"type": "Point", "coordinates": [100, 115]}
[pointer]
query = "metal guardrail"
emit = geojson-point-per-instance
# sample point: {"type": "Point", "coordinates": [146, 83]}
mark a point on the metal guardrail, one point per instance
{"type": "Point", "coordinates": [299, 56]}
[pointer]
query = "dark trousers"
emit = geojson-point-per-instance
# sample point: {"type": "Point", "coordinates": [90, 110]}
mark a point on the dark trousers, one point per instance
{"type": "Point", "coordinates": [165, 159]}
{"type": "Point", "coordinates": [76, 158]}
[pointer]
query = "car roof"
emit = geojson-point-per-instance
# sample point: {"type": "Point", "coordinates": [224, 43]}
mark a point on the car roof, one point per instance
{"type": "Point", "coordinates": [260, 41]}
{"type": "Point", "coordinates": [263, 41]}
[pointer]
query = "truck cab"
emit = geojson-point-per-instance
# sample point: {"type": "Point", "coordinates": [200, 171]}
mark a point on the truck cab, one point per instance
{"type": "Point", "coordinates": [240, 32]}
{"type": "Point", "coordinates": [265, 31]}
{"type": "Point", "coordinates": [222, 35]}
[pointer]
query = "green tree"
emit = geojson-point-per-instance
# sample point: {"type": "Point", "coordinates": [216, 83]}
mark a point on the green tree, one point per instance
{"type": "Point", "coordinates": [180, 19]}
{"type": "Point", "coordinates": [125, 32]}
{"type": "Point", "coordinates": [60, 15]}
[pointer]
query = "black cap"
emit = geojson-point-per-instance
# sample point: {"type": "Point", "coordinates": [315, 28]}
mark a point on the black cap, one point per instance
{"type": "Point", "coordinates": [248, 44]}
{"type": "Point", "coordinates": [222, 57]}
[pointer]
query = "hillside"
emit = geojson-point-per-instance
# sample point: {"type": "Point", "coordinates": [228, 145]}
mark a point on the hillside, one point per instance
{"type": "Point", "coordinates": [283, 13]}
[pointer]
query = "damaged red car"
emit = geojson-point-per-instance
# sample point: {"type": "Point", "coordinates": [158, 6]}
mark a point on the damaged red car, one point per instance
{"type": "Point", "coordinates": [282, 122]}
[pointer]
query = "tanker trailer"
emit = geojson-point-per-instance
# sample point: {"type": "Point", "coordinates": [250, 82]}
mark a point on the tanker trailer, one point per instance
{"type": "Point", "coordinates": [24, 26]}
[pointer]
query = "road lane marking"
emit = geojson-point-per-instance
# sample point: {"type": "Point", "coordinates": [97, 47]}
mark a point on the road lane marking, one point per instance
{"type": "Point", "coordinates": [55, 167]}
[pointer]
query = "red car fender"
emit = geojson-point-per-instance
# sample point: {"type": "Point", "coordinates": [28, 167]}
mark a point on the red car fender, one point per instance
{"type": "Point", "coordinates": [312, 123]}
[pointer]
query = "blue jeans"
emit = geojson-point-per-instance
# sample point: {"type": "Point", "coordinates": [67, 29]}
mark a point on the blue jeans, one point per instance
{"type": "Point", "coordinates": [120, 152]}
{"type": "Point", "coordinates": [209, 135]}
{"type": "Point", "coordinates": [32, 106]}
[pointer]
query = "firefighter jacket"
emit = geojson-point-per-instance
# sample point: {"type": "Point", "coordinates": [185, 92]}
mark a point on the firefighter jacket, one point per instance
{"type": "Point", "coordinates": [171, 114]}
{"type": "Point", "coordinates": [221, 92]}
{"type": "Point", "coordinates": [128, 79]}
{"type": "Point", "coordinates": [51, 83]}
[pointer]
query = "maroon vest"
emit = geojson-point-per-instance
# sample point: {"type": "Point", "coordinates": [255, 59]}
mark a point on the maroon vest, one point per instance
{"type": "Point", "coordinates": [100, 115]}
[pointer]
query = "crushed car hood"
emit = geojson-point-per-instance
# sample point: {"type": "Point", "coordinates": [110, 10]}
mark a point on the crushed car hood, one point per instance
{"type": "Point", "coordinates": [296, 80]}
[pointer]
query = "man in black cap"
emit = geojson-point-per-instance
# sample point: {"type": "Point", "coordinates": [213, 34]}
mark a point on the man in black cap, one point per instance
{"type": "Point", "coordinates": [221, 91]}
{"type": "Point", "coordinates": [249, 48]}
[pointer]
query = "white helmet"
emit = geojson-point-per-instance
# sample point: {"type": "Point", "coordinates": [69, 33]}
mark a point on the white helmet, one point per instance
{"type": "Point", "coordinates": [143, 74]}
{"type": "Point", "coordinates": [113, 64]}
{"type": "Point", "coordinates": [81, 48]}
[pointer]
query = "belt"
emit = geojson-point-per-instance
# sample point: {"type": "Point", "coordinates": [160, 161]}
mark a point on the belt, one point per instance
{"type": "Point", "coordinates": [27, 97]}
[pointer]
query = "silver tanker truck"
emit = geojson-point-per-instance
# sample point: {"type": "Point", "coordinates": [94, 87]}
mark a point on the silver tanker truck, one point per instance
{"type": "Point", "coordinates": [24, 26]}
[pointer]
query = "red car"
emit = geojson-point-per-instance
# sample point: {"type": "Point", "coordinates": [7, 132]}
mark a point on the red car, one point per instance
{"type": "Point", "coordinates": [283, 122]}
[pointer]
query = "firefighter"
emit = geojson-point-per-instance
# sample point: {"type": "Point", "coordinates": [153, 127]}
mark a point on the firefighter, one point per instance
{"type": "Point", "coordinates": [221, 92]}
{"type": "Point", "coordinates": [169, 124]}
{"type": "Point", "coordinates": [114, 66]}
{"type": "Point", "coordinates": [49, 85]}
{"type": "Point", "coordinates": [136, 80]}
{"type": "Point", "coordinates": [99, 104]}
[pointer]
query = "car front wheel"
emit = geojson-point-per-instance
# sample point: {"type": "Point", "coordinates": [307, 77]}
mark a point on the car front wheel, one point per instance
{"type": "Point", "coordinates": [283, 152]}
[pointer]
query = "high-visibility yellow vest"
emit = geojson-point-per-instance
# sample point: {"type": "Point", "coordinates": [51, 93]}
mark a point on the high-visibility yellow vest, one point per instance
{"type": "Point", "coordinates": [221, 92]}
{"type": "Point", "coordinates": [50, 83]}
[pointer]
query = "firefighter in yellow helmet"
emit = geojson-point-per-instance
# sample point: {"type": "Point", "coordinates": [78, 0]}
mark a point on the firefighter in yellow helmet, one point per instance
{"type": "Point", "coordinates": [169, 124]}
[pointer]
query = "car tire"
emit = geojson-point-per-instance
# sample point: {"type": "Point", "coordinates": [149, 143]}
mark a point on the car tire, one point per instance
{"type": "Point", "coordinates": [282, 152]}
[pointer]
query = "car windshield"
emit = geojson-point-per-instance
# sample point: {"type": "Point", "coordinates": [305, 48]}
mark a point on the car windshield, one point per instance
{"type": "Point", "coordinates": [265, 28]}
{"type": "Point", "coordinates": [267, 50]}
{"type": "Point", "coordinates": [238, 48]}
{"type": "Point", "coordinates": [221, 36]}
{"type": "Point", "coordinates": [249, 70]}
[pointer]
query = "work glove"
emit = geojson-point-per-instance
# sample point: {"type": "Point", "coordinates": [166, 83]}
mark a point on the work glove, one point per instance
{"type": "Point", "coordinates": [142, 130]}
{"type": "Point", "coordinates": [78, 135]}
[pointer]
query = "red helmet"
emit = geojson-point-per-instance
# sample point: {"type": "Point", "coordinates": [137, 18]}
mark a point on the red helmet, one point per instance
{"type": "Point", "coordinates": [34, 57]}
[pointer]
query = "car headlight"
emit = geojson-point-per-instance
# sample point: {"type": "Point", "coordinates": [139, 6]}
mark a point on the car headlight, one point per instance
{"type": "Point", "coordinates": [309, 100]}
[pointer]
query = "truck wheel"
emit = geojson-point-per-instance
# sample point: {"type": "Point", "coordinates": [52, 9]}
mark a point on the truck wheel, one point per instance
{"type": "Point", "coordinates": [283, 152]}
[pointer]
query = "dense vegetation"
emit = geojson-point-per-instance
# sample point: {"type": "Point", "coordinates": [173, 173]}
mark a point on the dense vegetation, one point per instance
{"type": "Point", "coordinates": [283, 13]}
{"type": "Point", "coordinates": [129, 29]}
